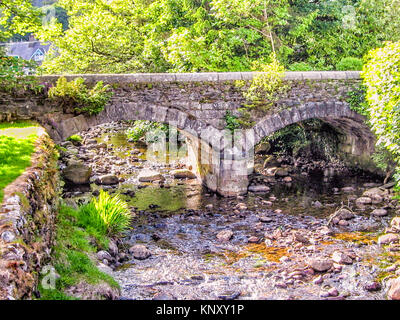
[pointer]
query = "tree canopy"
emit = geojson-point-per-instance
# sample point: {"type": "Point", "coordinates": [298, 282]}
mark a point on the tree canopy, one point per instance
{"type": "Point", "coordinates": [215, 35]}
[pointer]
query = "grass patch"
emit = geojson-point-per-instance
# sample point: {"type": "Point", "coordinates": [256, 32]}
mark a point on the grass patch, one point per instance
{"type": "Point", "coordinates": [71, 256]}
{"type": "Point", "coordinates": [106, 215]}
{"type": "Point", "coordinates": [17, 143]}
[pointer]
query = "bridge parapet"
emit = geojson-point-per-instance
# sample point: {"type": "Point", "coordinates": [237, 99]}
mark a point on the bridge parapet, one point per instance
{"type": "Point", "coordinates": [203, 76]}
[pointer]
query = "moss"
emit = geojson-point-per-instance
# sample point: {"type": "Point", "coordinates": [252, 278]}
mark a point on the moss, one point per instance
{"type": "Point", "coordinates": [24, 201]}
{"type": "Point", "coordinates": [356, 237]}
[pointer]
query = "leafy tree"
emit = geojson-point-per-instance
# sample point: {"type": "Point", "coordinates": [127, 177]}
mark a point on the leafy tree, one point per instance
{"type": "Point", "coordinates": [17, 17]}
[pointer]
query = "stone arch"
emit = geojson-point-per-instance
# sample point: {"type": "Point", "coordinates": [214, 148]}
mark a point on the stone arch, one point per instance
{"type": "Point", "coordinates": [360, 139]}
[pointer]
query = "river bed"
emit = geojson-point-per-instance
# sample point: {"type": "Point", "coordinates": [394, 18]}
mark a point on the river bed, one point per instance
{"type": "Point", "coordinates": [275, 237]}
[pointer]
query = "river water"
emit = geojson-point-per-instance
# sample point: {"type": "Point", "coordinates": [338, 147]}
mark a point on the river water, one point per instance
{"type": "Point", "coordinates": [275, 235]}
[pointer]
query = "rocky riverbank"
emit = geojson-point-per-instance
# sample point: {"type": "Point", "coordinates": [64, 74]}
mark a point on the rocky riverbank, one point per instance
{"type": "Point", "coordinates": [296, 235]}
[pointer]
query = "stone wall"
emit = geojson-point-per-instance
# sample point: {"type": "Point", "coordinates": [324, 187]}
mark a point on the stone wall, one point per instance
{"type": "Point", "coordinates": [27, 222]}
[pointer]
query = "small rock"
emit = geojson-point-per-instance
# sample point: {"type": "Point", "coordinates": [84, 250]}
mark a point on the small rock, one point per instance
{"type": "Point", "coordinates": [281, 172]}
{"type": "Point", "coordinates": [373, 286]}
{"type": "Point", "coordinates": [8, 236]}
{"type": "Point", "coordinates": [113, 248]}
{"type": "Point", "coordinates": [388, 238]}
{"type": "Point", "coordinates": [318, 280]}
{"type": "Point", "coordinates": [253, 239]}
{"type": "Point", "coordinates": [362, 201]}
{"type": "Point", "coordinates": [344, 214]}
{"type": "Point", "coordinates": [281, 285]}
{"type": "Point", "coordinates": [341, 258]}
{"type": "Point", "coordinates": [149, 176]}
{"type": "Point", "coordinates": [259, 188]}
{"type": "Point", "coordinates": [317, 204]}
{"type": "Point", "coordinates": [163, 296]}
{"type": "Point", "coordinates": [394, 291]}
{"type": "Point", "coordinates": [104, 255]}
{"type": "Point", "coordinates": [348, 189]}
{"type": "Point", "coordinates": [265, 219]}
{"type": "Point", "coordinates": [107, 179]}
{"type": "Point", "coordinates": [333, 292]}
{"type": "Point", "coordinates": [395, 223]}
{"type": "Point", "coordinates": [225, 235]}
{"type": "Point", "coordinates": [321, 265]}
{"type": "Point", "coordinates": [379, 212]}
{"type": "Point", "coordinates": [229, 295]}
{"type": "Point", "coordinates": [343, 223]}
{"type": "Point", "coordinates": [183, 174]}
{"type": "Point", "coordinates": [287, 179]}
{"type": "Point", "coordinates": [140, 252]}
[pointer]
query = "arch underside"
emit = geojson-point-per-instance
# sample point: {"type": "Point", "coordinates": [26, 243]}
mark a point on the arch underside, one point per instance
{"type": "Point", "coordinates": [338, 115]}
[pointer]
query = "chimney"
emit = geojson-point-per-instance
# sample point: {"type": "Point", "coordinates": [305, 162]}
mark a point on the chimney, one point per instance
{"type": "Point", "coordinates": [32, 37]}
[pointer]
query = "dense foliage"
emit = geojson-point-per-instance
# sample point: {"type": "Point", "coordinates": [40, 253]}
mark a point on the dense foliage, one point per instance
{"type": "Point", "coordinates": [216, 35]}
{"type": "Point", "coordinates": [312, 139]}
{"type": "Point", "coordinates": [153, 131]}
{"type": "Point", "coordinates": [382, 79]}
{"type": "Point", "coordinates": [77, 95]}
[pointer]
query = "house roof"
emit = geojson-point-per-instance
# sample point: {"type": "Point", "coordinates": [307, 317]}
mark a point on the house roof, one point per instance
{"type": "Point", "coordinates": [26, 50]}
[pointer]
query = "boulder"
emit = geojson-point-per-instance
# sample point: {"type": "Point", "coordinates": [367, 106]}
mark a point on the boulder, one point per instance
{"type": "Point", "coordinates": [149, 176]}
{"type": "Point", "coordinates": [183, 174]}
{"type": "Point", "coordinates": [77, 173]}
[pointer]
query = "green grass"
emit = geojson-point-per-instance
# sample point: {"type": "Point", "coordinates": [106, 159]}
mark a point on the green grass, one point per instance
{"type": "Point", "coordinates": [70, 257]}
{"type": "Point", "coordinates": [16, 147]}
{"type": "Point", "coordinates": [107, 215]}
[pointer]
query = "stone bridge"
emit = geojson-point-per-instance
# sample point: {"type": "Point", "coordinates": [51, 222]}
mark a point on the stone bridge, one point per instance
{"type": "Point", "coordinates": [197, 104]}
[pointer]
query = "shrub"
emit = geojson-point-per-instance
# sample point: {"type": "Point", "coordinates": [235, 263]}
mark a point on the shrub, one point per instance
{"type": "Point", "coordinates": [106, 214]}
{"type": "Point", "coordinates": [349, 64]}
{"type": "Point", "coordinates": [141, 127]}
{"type": "Point", "coordinates": [300, 66]}
{"type": "Point", "coordinates": [381, 76]}
{"type": "Point", "coordinates": [232, 122]}
{"type": "Point", "coordinates": [76, 94]}
{"type": "Point", "coordinates": [357, 100]}
{"type": "Point", "coordinates": [13, 75]}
